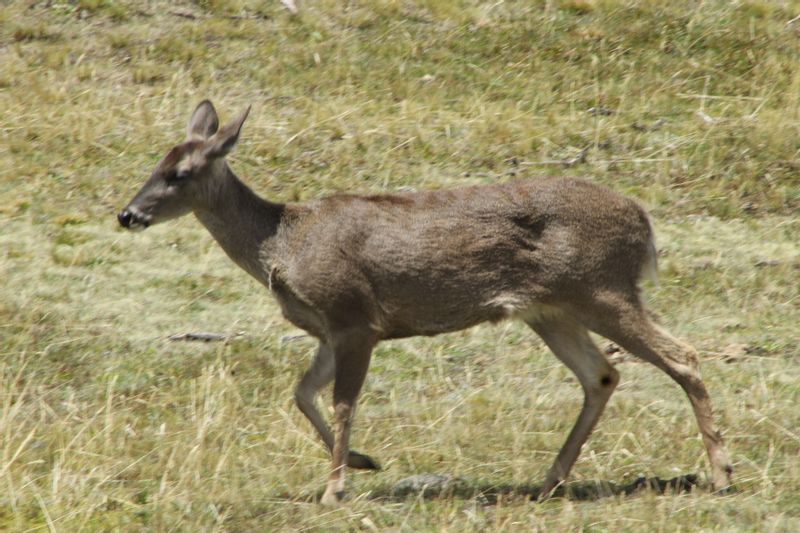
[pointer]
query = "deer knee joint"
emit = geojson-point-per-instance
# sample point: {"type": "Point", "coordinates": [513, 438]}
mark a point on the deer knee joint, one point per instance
{"type": "Point", "coordinates": [343, 411]}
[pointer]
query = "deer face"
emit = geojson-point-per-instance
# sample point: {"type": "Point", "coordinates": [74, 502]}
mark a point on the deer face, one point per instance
{"type": "Point", "coordinates": [186, 178]}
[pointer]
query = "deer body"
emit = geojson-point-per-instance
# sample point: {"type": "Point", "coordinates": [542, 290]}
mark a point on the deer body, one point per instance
{"type": "Point", "coordinates": [563, 255]}
{"type": "Point", "coordinates": [431, 262]}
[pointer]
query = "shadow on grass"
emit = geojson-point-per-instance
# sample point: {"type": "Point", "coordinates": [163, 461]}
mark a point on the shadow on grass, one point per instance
{"type": "Point", "coordinates": [432, 486]}
{"type": "Point", "coordinates": [438, 486]}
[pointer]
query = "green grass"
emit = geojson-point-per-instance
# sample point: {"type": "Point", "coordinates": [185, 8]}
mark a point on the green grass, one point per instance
{"type": "Point", "coordinates": [106, 425]}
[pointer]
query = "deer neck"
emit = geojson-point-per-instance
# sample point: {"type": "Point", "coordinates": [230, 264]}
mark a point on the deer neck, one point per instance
{"type": "Point", "coordinates": [244, 224]}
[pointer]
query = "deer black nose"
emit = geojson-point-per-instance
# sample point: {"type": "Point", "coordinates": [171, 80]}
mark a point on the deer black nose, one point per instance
{"type": "Point", "coordinates": [125, 218]}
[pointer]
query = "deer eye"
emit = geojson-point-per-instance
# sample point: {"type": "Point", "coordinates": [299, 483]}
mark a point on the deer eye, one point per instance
{"type": "Point", "coordinates": [176, 176]}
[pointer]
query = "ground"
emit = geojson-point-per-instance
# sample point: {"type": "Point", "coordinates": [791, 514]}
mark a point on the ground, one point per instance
{"type": "Point", "coordinates": [105, 424]}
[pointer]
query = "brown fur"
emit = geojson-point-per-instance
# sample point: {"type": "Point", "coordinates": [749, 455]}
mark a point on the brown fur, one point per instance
{"type": "Point", "coordinates": [561, 254]}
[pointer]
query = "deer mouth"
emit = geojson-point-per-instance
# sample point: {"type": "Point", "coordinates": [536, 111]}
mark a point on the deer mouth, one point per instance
{"type": "Point", "coordinates": [132, 219]}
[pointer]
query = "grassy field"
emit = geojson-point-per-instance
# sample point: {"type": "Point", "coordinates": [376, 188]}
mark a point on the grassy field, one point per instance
{"type": "Point", "coordinates": [692, 107]}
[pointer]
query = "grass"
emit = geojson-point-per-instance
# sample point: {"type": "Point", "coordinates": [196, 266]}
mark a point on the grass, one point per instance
{"type": "Point", "coordinates": [106, 425]}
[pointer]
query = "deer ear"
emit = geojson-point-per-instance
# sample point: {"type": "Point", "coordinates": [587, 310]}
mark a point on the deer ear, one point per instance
{"type": "Point", "coordinates": [225, 139]}
{"type": "Point", "coordinates": [204, 122]}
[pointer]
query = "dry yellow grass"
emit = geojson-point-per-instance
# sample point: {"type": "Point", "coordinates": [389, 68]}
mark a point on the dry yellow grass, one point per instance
{"type": "Point", "coordinates": [106, 425]}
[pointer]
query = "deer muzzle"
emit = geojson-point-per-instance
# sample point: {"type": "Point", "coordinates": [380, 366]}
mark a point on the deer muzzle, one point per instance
{"type": "Point", "coordinates": [129, 218]}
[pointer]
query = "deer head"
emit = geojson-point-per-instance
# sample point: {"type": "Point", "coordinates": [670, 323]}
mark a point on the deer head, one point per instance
{"type": "Point", "coordinates": [187, 177]}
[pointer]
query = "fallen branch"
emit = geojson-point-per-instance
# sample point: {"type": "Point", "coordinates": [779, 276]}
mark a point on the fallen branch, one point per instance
{"type": "Point", "coordinates": [202, 336]}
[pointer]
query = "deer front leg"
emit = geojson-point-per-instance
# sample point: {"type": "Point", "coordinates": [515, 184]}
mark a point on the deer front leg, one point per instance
{"type": "Point", "coordinates": [352, 355]}
{"type": "Point", "coordinates": [321, 373]}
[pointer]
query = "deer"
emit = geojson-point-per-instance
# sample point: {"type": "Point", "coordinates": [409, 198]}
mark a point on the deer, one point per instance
{"type": "Point", "coordinates": [563, 255]}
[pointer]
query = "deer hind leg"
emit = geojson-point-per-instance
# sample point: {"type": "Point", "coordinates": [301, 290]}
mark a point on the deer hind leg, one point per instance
{"type": "Point", "coordinates": [623, 320]}
{"type": "Point", "coordinates": [352, 353]}
{"type": "Point", "coordinates": [570, 342]}
{"type": "Point", "coordinates": [321, 373]}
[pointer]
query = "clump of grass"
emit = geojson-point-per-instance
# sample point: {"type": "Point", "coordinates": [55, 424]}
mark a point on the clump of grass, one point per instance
{"type": "Point", "coordinates": [114, 9]}
{"type": "Point", "coordinates": [148, 73]}
{"type": "Point", "coordinates": [34, 32]}
{"type": "Point", "coordinates": [176, 48]}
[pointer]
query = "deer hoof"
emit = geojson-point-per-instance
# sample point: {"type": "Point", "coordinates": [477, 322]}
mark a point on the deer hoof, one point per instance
{"type": "Point", "coordinates": [362, 462]}
{"type": "Point", "coordinates": [548, 490]}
